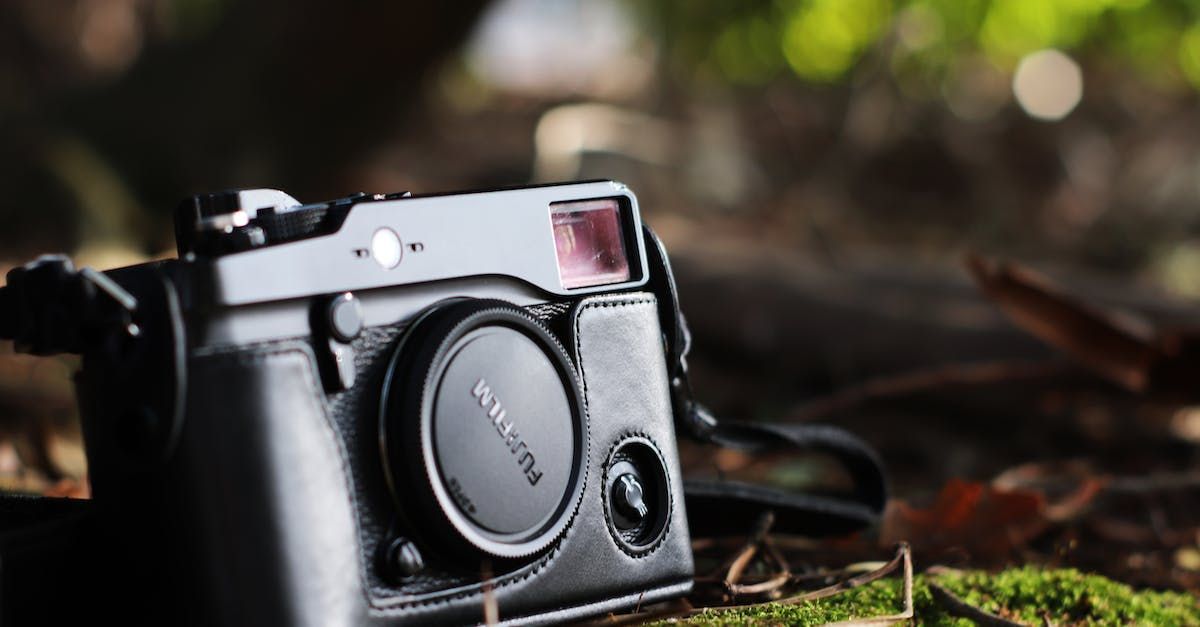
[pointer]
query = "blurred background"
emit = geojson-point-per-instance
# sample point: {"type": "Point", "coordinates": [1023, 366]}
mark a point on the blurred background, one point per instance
{"type": "Point", "coordinates": [818, 168]}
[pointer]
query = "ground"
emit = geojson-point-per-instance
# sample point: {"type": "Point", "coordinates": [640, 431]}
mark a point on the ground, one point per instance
{"type": "Point", "coordinates": [1026, 595]}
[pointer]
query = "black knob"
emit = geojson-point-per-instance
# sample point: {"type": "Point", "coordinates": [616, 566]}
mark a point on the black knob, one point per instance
{"type": "Point", "coordinates": [636, 496]}
{"type": "Point", "coordinates": [628, 498]}
{"type": "Point", "coordinates": [403, 558]}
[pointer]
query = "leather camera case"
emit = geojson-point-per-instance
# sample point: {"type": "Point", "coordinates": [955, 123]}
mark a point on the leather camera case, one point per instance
{"type": "Point", "coordinates": [272, 507]}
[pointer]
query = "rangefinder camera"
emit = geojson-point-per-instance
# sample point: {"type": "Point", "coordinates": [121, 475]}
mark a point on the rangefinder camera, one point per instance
{"type": "Point", "coordinates": [384, 409]}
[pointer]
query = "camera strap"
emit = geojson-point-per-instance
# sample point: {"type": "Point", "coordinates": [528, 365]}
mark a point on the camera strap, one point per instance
{"type": "Point", "coordinates": [721, 506]}
{"type": "Point", "coordinates": [49, 307]}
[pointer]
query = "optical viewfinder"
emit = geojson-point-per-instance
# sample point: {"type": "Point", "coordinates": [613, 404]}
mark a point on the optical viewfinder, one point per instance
{"type": "Point", "coordinates": [589, 243]}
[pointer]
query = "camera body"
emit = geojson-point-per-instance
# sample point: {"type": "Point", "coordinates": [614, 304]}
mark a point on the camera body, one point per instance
{"type": "Point", "coordinates": [382, 409]}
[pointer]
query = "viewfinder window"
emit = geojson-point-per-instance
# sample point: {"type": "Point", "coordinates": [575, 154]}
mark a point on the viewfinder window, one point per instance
{"type": "Point", "coordinates": [589, 243]}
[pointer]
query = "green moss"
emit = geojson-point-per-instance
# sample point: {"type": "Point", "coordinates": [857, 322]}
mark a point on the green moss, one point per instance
{"type": "Point", "coordinates": [1027, 595]}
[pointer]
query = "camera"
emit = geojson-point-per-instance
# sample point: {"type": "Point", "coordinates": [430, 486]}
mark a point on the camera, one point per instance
{"type": "Point", "coordinates": [387, 409]}
{"type": "Point", "coordinates": [379, 409]}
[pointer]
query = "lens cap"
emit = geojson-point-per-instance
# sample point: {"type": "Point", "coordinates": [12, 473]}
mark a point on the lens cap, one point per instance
{"type": "Point", "coordinates": [484, 432]}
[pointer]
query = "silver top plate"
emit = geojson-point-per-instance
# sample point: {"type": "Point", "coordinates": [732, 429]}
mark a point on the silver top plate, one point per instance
{"type": "Point", "coordinates": [505, 233]}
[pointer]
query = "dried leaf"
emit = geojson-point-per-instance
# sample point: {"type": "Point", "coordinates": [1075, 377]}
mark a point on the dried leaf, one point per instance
{"type": "Point", "coordinates": [1119, 347]}
{"type": "Point", "coordinates": [985, 521]}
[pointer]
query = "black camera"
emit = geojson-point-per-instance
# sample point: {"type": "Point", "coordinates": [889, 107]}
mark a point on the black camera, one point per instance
{"type": "Point", "coordinates": [401, 408]}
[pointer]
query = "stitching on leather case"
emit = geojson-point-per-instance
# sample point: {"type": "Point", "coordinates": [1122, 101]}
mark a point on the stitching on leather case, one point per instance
{"type": "Point", "coordinates": [604, 304]}
{"type": "Point", "coordinates": [596, 304]}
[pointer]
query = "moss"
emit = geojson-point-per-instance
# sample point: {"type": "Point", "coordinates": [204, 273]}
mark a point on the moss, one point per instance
{"type": "Point", "coordinates": [1029, 595]}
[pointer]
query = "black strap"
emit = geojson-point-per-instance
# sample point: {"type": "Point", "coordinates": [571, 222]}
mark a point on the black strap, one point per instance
{"type": "Point", "coordinates": [720, 507]}
{"type": "Point", "coordinates": [49, 307]}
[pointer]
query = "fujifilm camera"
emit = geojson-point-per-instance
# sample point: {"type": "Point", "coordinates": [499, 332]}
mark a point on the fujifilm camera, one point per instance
{"type": "Point", "coordinates": [409, 409]}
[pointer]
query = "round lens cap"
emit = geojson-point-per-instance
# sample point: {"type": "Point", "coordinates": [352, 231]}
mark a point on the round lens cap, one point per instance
{"type": "Point", "coordinates": [503, 432]}
{"type": "Point", "coordinates": [490, 429]}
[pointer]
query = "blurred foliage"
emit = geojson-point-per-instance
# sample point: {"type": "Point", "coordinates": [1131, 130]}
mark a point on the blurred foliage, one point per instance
{"type": "Point", "coordinates": [922, 41]}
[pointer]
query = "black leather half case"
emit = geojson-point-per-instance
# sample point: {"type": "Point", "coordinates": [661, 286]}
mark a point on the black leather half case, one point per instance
{"type": "Point", "coordinates": [278, 493]}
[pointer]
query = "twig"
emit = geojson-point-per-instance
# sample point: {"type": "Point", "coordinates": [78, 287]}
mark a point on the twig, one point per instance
{"type": "Point", "coordinates": [1043, 475]}
{"type": "Point", "coordinates": [781, 577]}
{"type": "Point", "coordinates": [792, 578]}
{"type": "Point", "coordinates": [750, 549]}
{"type": "Point", "coordinates": [1132, 533]}
{"type": "Point", "coordinates": [1088, 489]}
{"type": "Point", "coordinates": [907, 613]}
{"type": "Point", "coordinates": [491, 609]}
{"type": "Point", "coordinates": [777, 581]}
{"type": "Point", "coordinates": [1159, 482]}
{"type": "Point", "coordinates": [974, 373]}
{"type": "Point", "coordinates": [961, 609]}
{"type": "Point", "coordinates": [903, 558]}
{"type": "Point", "coordinates": [669, 609]}
{"type": "Point", "coordinates": [1059, 474]}
{"type": "Point", "coordinates": [940, 569]}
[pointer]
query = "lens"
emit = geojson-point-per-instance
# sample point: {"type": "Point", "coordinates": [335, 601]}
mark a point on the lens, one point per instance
{"type": "Point", "coordinates": [589, 243]}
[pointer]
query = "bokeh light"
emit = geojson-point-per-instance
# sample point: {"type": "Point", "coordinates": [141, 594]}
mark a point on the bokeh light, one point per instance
{"type": "Point", "coordinates": [548, 46]}
{"type": "Point", "coordinates": [824, 38]}
{"type": "Point", "coordinates": [1048, 84]}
